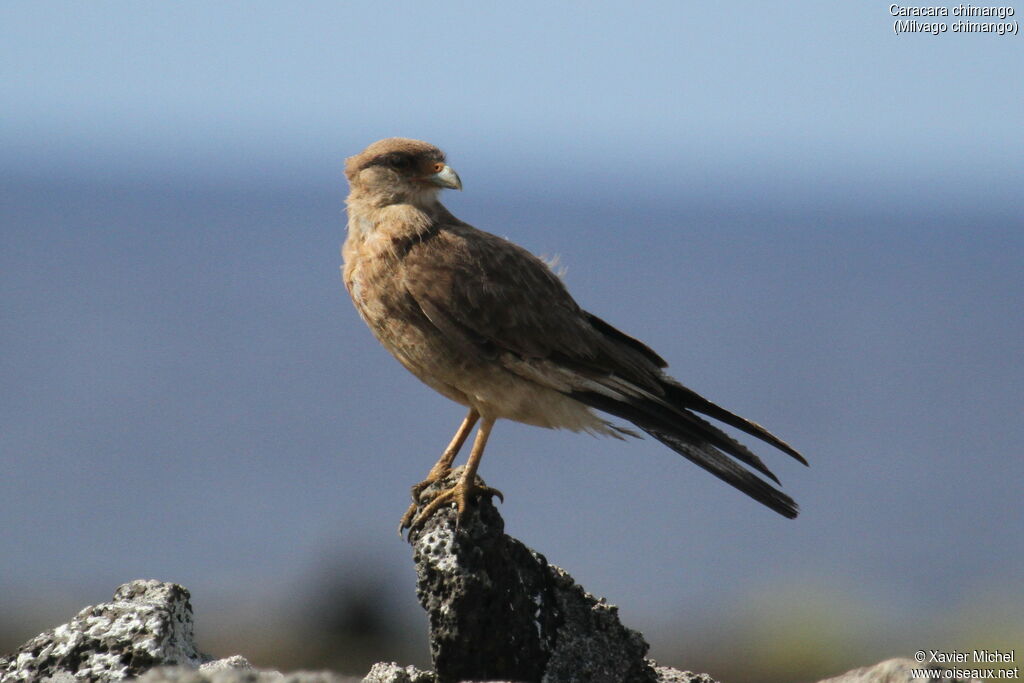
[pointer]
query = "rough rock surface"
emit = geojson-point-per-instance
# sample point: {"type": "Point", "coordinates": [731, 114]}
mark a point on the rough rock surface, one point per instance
{"type": "Point", "coordinates": [229, 674]}
{"type": "Point", "coordinates": [670, 675]}
{"type": "Point", "coordinates": [206, 674]}
{"type": "Point", "coordinates": [147, 623]}
{"type": "Point", "coordinates": [891, 671]}
{"type": "Point", "coordinates": [392, 673]}
{"type": "Point", "coordinates": [499, 611]}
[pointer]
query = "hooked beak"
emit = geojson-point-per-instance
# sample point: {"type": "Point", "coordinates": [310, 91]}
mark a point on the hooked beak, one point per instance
{"type": "Point", "coordinates": [446, 177]}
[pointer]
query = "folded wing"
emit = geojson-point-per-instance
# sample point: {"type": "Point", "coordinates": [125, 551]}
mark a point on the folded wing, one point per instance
{"type": "Point", "coordinates": [494, 298]}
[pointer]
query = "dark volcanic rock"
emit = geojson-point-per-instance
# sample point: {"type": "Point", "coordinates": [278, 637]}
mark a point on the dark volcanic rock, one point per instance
{"type": "Point", "coordinates": [499, 611]}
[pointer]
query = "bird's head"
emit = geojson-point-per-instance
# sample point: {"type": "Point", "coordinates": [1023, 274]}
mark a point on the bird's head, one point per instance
{"type": "Point", "coordinates": [401, 170]}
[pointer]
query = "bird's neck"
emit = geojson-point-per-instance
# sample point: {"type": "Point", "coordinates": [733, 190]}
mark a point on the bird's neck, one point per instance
{"type": "Point", "coordinates": [371, 217]}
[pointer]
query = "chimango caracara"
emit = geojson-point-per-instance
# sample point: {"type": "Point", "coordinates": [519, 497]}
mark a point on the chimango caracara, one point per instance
{"type": "Point", "coordinates": [488, 325]}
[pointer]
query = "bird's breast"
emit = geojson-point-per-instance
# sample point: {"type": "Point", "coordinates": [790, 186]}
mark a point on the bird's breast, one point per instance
{"type": "Point", "coordinates": [376, 286]}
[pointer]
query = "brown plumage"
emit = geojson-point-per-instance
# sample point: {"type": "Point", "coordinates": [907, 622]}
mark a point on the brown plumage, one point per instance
{"type": "Point", "coordinates": [488, 325]}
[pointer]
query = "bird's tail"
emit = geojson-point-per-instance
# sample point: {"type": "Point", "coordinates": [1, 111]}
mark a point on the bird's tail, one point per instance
{"type": "Point", "coordinates": [679, 395]}
{"type": "Point", "coordinates": [699, 441]}
{"type": "Point", "coordinates": [728, 471]}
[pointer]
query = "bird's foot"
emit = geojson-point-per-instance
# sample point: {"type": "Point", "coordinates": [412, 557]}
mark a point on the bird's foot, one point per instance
{"type": "Point", "coordinates": [461, 493]}
{"type": "Point", "coordinates": [435, 475]}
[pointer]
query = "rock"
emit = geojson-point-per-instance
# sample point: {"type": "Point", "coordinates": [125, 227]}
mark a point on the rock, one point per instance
{"type": "Point", "coordinates": [147, 623]}
{"type": "Point", "coordinates": [392, 673]}
{"type": "Point", "coordinates": [498, 611]}
{"type": "Point", "coordinates": [669, 675]}
{"type": "Point", "coordinates": [892, 671]}
{"type": "Point", "coordinates": [232, 662]}
{"type": "Point", "coordinates": [146, 632]}
{"type": "Point", "coordinates": [181, 674]}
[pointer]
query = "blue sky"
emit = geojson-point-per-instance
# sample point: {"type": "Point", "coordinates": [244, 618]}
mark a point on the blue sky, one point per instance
{"type": "Point", "coordinates": [815, 221]}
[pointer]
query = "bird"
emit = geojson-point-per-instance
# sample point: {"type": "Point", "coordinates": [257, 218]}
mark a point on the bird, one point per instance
{"type": "Point", "coordinates": [487, 324]}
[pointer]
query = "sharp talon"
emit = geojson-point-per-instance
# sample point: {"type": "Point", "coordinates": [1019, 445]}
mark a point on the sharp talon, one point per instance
{"type": "Point", "coordinates": [460, 494]}
{"type": "Point", "coordinates": [415, 492]}
{"type": "Point", "coordinates": [406, 520]}
{"type": "Point", "coordinates": [433, 506]}
{"type": "Point", "coordinates": [417, 489]}
{"type": "Point", "coordinates": [488, 491]}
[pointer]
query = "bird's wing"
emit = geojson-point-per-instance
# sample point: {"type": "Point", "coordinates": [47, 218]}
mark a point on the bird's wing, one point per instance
{"type": "Point", "coordinates": [492, 296]}
{"type": "Point", "coordinates": [483, 289]}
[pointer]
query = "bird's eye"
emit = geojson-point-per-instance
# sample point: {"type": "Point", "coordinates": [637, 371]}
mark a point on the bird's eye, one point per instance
{"type": "Point", "coordinates": [400, 161]}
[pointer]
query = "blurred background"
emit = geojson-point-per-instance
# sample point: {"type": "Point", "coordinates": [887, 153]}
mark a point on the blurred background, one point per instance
{"type": "Point", "coordinates": [817, 222]}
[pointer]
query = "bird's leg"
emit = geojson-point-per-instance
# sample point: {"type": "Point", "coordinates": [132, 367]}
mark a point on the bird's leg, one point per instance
{"type": "Point", "coordinates": [466, 487]}
{"type": "Point", "coordinates": [442, 467]}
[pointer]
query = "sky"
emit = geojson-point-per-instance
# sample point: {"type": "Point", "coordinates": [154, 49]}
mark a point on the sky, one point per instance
{"type": "Point", "coordinates": [816, 221]}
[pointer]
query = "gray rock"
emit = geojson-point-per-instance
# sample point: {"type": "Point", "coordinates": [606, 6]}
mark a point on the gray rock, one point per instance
{"type": "Point", "coordinates": [498, 611]}
{"type": "Point", "coordinates": [147, 623]}
{"type": "Point", "coordinates": [392, 673]}
{"type": "Point", "coordinates": [236, 669]}
{"type": "Point", "coordinates": [670, 675]}
{"type": "Point", "coordinates": [232, 662]}
{"type": "Point", "coordinates": [891, 671]}
{"type": "Point", "coordinates": [181, 674]}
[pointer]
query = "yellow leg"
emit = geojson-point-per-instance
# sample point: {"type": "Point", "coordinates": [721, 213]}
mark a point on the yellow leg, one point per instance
{"type": "Point", "coordinates": [442, 467]}
{"type": "Point", "coordinates": [444, 464]}
{"type": "Point", "coordinates": [466, 488]}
